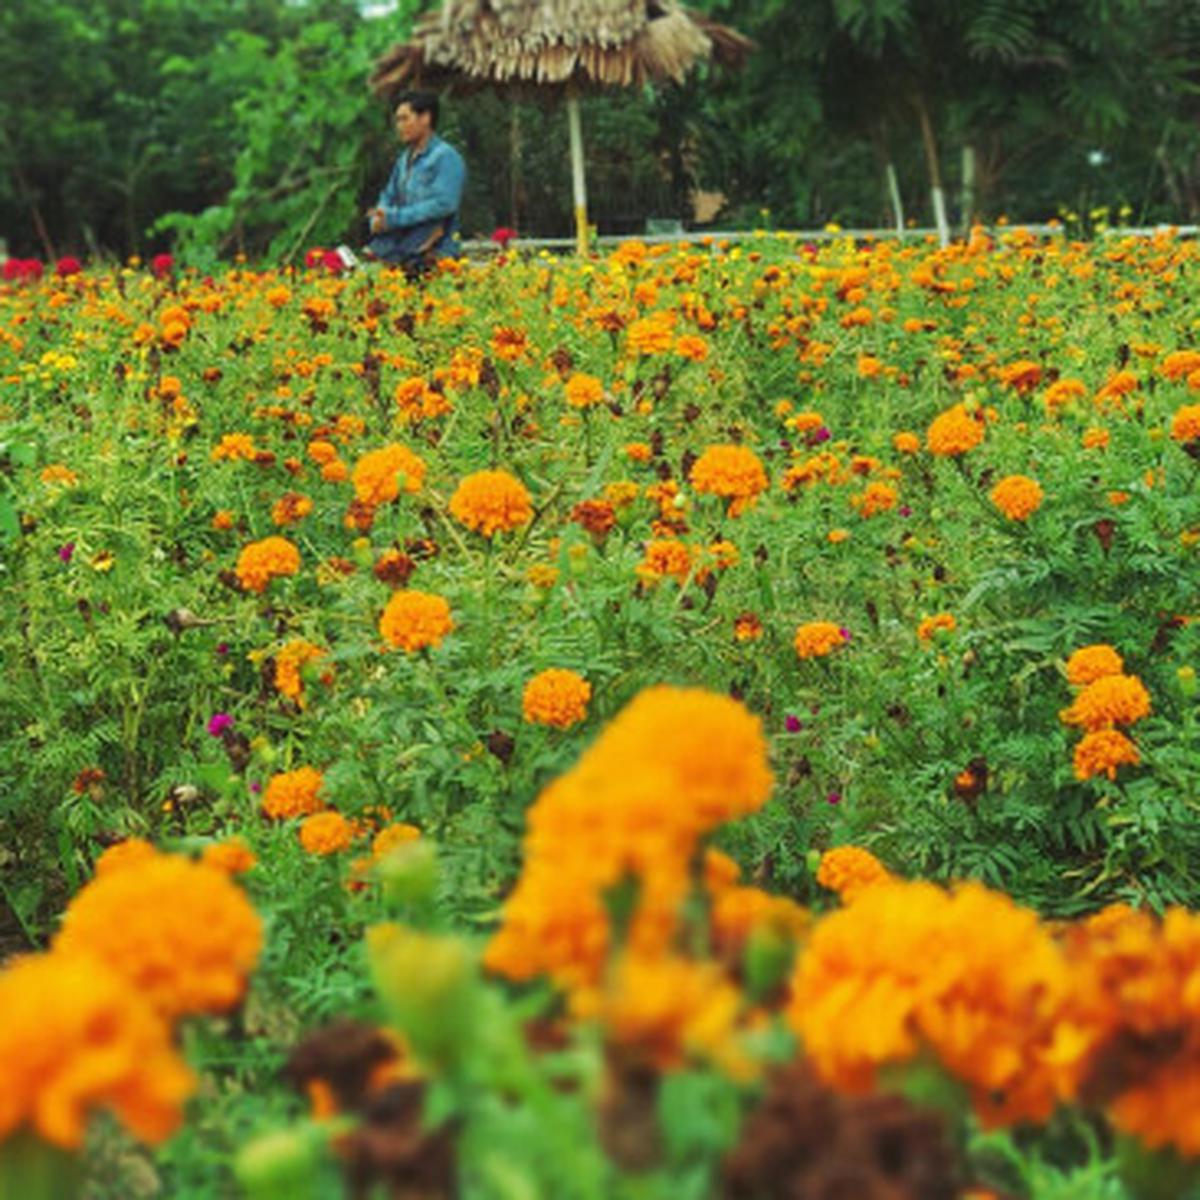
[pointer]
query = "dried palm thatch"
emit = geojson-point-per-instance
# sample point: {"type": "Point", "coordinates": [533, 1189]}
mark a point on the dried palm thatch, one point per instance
{"type": "Point", "coordinates": [538, 45]}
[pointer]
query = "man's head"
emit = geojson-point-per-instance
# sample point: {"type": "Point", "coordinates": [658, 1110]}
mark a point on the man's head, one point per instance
{"type": "Point", "coordinates": [416, 117]}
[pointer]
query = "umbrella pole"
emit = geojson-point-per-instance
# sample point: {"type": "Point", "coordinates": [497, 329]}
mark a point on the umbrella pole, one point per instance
{"type": "Point", "coordinates": [578, 184]}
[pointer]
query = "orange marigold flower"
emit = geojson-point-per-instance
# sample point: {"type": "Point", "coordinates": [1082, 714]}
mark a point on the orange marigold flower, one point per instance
{"type": "Point", "coordinates": [1108, 701]}
{"type": "Point", "coordinates": [291, 508]}
{"type": "Point", "coordinates": [954, 432]}
{"type": "Point", "coordinates": [294, 793]}
{"type": "Point", "coordinates": [584, 391]}
{"type": "Point", "coordinates": [1102, 752]}
{"type": "Point", "coordinates": [260, 562]}
{"type": "Point", "coordinates": [131, 850]}
{"type": "Point", "coordinates": [665, 557]}
{"type": "Point", "coordinates": [732, 472]}
{"type": "Point", "coordinates": [322, 452]}
{"type": "Point", "coordinates": [556, 697]}
{"type": "Point", "coordinates": [1180, 363]}
{"type": "Point", "coordinates": [1017, 496]}
{"type": "Point", "coordinates": [1185, 424]}
{"type": "Point", "coordinates": [232, 856]}
{"type": "Point", "coordinates": [491, 502]}
{"type": "Point", "coordinates": [78, 1036]}
{"type": "Point", "coordinates": [235, 446]}
{"type": "Point", "coordinates": [509, 344]}
{"type": "Point", "coordinates": [222, 519]}
{"type": "Point", "coordinates": [1061, 392]}
{"type": "Point", "coordinates": [60, 475]}
{"type": "Point", "coordinates": [1095, 438]}
{"type": "Point", "coordinates": [930, 626]}
{"type": "Point", "coordinates": [691, 346]}
{"type": "Point", "coordinates": [325, 833]}
{"type": "Point", "coordinates": [413, 620]}
{"type": "Point", "coordinates": [181, 932]}
{"type": "Point", "coordinates": [1089, 663]}
{"type": "Point", "coordinates": [850, 870]}
{"type": "Point", "coordinates": [596, 516]}
{"type": "Point", "coordinates": [877, 498]}
{"type": "Point", "coordinates": [818, 638]}
{"type": "Point", "coordinates": [906, 443]}
{"type": "Point", "coordinates": [747, 627]}
{"type": "Point", "coordinates": [651, 335]}
{"type": "Point", "coordinates": [639, 452]}
{"type": "Point", "coordinates": [380, 475]}
{"type": "Point", "coordinates": [289, 663]}
{"type": "Point", "coordinates": [1024, 375]}
{"type": "Point", "coordinates": [968, 976]}
{"type": "Point", "coordinates": [391, 836]}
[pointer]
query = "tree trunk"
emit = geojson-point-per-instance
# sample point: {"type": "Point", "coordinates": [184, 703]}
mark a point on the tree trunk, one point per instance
{"type": "Point", "coordinates": [936, 191]}
{"type": "Point", "coordinates": [893, 186]}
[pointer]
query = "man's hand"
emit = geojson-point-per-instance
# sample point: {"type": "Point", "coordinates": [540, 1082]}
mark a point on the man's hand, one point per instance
{"type": "Point", "coordinates": [377, 219]}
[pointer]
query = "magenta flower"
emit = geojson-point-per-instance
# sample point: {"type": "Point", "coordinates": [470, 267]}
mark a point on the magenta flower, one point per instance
{"type": "Point", "coordinates": [792, 724]}
{"type": "Point", "coordinates": [218, 723]}
{"type": "Point", "coordinates": [66, 551]}
{"type": "Point", "coordinates": [834, 798]}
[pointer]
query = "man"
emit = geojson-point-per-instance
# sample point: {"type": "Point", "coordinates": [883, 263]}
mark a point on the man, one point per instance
{"type": "Point", "coordinates": [416, 216]}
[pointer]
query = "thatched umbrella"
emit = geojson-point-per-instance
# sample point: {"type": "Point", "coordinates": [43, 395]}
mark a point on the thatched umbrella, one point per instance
{"type": "Point", "coordinates": [557, 46]}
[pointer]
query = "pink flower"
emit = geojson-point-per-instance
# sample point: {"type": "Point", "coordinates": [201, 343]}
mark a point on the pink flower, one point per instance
{"type": "Point", "coordinates": [834, 798]}
{"type": "Point", "coordinates": [66, 266]}
{"type": "Point", "coordinates": [218, 723]}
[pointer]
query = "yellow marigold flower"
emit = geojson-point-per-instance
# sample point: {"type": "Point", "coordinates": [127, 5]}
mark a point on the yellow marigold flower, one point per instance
{"type": "Point", "coordinates": [325, 833]}
{"type": "Point", "coordinates": [294, 793]}
{"type": "Point", "coordinates": [1108, 701]}
{"type": "Point", "coordinates": [818, 638]}
{"type": "Point", "coordinates": [735, 473]}
{"type": "Point", "coordinates": [1102, 752]}
{"type": "Point", "coordinates": [1017, 496]}
{"type": "Point", "coordinates": [289, 662]}
{"type": "Point", "coordinates": [130, 851]}
{"type": "Point", "coordinates": [556, 697]}
{"type": "Point", "coordinates": [929, 627]}
{"type": "Point", "coordinates": [232, 856]}
{"type": "Point", "coordinates": [906, 443]}
{"type": "Point", "coordinates": [542, 575]}
{"type": "Point", "coordinates": [836, 536]}
{"type": "Point", "coordinates": [1089, 663]}
{"type": "Point", "coordinates": [1185, 424]}
{"type": "Point", "coordinates": [60, 475]}
{"type": "Point", "coordinates": [665, 557]}
{"type": "Point", "coordinates": [850, 870]}
{"type": "Point", "coordinates": [968, 976]}
{"type": "Point", "coordinates": [491, 502]}
{"type": "Point", "coordinates": [621, 493]}
{"type": "Point", "coordinates": [413, 620]}
{"type": "Point", "coordinates": [235, 446]}
{"type": "Point", "coordinates": [877, 498]}
{"type": "Point", "coordinates": [391, 836]}
{"type": "Point", "coordinates": [584, 391]}
{"type": "Point", "coordinates": [380, 475]}
{"type": "Point", "coordinates": [179, 931]}
{"type": "Point", "coordinates": [78, 1036]}
{"type": "Point", "coordinates": [954, 432]}
{"type": "Point", "coordinates": [260, 562]}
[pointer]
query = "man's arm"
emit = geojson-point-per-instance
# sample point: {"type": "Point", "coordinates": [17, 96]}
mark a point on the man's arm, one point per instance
{"type": "Point", "coordinates": [444, 201]}
{"type": "Point", "coordinates": [390, 196]}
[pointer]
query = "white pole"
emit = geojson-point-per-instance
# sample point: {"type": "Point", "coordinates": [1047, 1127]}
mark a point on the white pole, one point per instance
{"type": "Point", "coordinates": [894, 193]}
{"type": "Point", "coordinates": [579, 186]}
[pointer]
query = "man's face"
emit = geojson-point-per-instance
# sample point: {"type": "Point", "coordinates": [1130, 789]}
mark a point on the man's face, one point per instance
{"type": "Point", "coordinates": [411, 126]}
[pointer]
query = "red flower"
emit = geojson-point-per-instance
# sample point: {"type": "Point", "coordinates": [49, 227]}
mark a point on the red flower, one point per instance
{"type": "Point", "coordinates": [314, 257]}
{"type": "Point", "coordinates": [12, 269]}
{"type": "Point", "coordinates": [503, 235]}
{"type": "Point", "coordinates": [333, 262]}
{"type": "Point", "coordinates": [22, 269]}
{"type": "Point", "coordinates": [66, 266]}
{"type": "Point", "coordinates": [162, 265]}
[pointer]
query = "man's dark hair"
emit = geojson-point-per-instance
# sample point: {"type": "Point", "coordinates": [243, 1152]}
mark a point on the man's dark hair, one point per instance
{"type": "Point", "coordinates": [420, 102]}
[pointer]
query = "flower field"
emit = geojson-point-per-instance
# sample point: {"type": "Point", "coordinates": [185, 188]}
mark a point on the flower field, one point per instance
{"type": "Point", "coordinates": [710, 721]}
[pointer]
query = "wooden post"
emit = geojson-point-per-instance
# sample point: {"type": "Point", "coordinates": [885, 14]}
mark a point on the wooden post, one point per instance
{"type": "Point", "coordinates": [578, 183]}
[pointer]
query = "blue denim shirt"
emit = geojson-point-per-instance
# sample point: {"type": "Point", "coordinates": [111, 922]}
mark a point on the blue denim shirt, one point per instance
{"type": "Point", "coordinates": [425, 190]}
